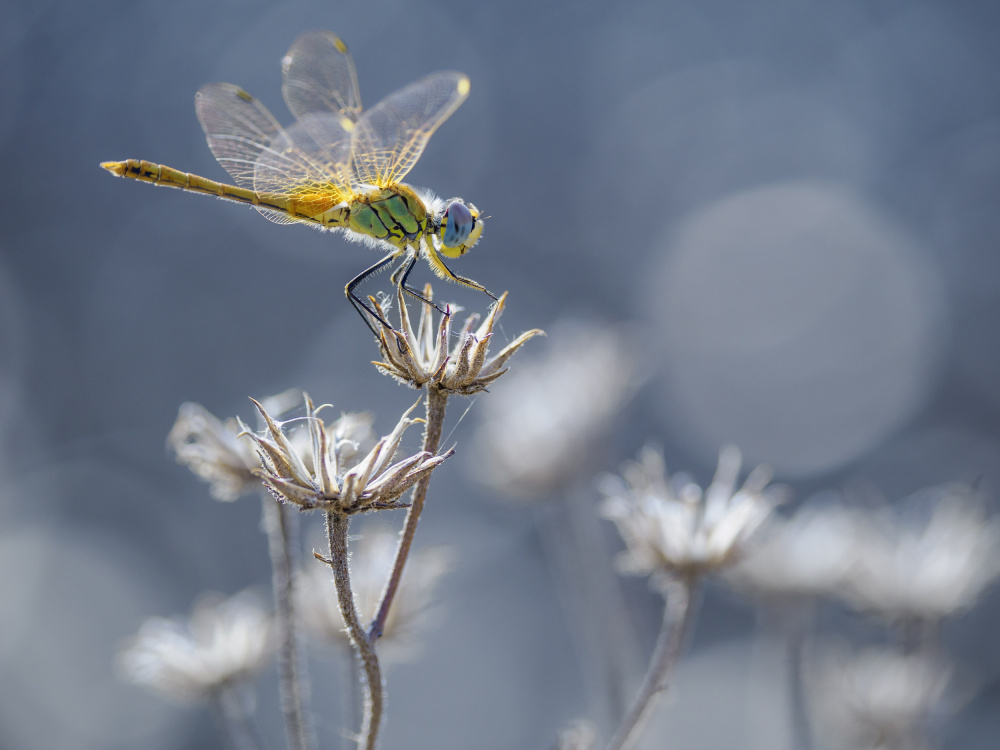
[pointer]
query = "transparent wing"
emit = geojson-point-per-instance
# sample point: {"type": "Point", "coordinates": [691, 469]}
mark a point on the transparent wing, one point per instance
{"type": "Point", "coordinates": [320, 77]}
{"type": "Point", "coordinates": [309, 164]}
{"type": "Point", "coordinates": [389, 137]}
{"type": "Point", "coordinates": [238, 128]}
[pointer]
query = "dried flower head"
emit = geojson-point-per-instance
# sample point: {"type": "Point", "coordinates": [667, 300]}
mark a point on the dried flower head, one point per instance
{"type": "Point", "coordinates": [543, 425]}
{"type": "Point", "coordinates": [423, 356]}
{"type": "Point", "coordinates": [672, 529]}
{"type": "Point", "coordinates": [326, 472]}
{"type": "Point", "coordinates": [580, 734]}
{"type": "Point", "coordinates": [212, 449]}
{"type": "Point", "coordinates": [807, 555]}
{"type": "Point", "coordinates": [877, 699]}
{"type": "Point", "coordinates": [209, 447]}
{"type": "Point", "coordinates": [224, 642]}
{"type": "Point", "coordinates": [370, 566]}
{"type": "Point", "coordinates": [930, 558]}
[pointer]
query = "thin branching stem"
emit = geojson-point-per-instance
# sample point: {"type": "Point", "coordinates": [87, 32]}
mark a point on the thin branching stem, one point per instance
{"type": "Point", "coordinates": [437, 400]}
{"type": "Point", "coordinates": [336, 527]}
{"type": "Point", "coordinates": [292, 679]}
{"type": "Point", "coordinates": [678, 614]}
{"type": "Point", "coordinates": [231, 711]}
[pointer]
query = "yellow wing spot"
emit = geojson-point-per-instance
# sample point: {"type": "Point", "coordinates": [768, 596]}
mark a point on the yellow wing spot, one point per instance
{"type": "Point", "coordinates": [463, 86]}
{"type": "Point", "coordinates": [244, 95]}
{"type": "Point", "coordinates": [341, 47]}
{"type": "Point", "coordinates": [347, 124]}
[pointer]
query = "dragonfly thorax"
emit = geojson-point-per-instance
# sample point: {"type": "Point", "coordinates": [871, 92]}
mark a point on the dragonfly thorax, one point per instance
{"type": "Point", "coordinates": [393, 214]}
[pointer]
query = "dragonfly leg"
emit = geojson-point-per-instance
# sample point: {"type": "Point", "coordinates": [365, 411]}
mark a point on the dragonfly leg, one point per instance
{"type": "Point", "coordinates": [446, 273]}
{"type": "Point", "coordinates": [401, 274]}
{"type": "Point", "coordinates": [362, 307]}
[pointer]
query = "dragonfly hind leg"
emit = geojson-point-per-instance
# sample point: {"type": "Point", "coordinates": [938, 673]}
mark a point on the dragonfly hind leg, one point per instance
{"type": "Point", "coordinates": [363, 308]}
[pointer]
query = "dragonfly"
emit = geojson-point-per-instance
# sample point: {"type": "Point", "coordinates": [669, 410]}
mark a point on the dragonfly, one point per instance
{"type": "Point", "coordinates": [337, 167]}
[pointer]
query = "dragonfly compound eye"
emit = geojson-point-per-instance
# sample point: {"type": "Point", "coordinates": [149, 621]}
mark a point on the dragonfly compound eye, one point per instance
{"type": "Point", "coordinates": [456, 224]}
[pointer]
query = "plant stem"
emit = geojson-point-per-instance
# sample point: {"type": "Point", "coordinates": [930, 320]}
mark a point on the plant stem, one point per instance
{"type": "Point", "coordinates": [678, 614]}
{"type": "Point", "coordinates": [437, 400]}
{"type": "Point", "coordinates": [292, 680]}
{"type": "Point", "coordinates": [232, 714]}
{"type": "Point", "coordinates": [590, 595]}
{"type": "Point", "coordinates": [336, 527]}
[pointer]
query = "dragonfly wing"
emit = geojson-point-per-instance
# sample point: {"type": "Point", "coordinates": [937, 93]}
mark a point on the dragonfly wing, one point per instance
{"type": "Point", "coordinates": [238, 128]}
{"type": "Point", "coordinates": [308, 163]}
{"type": "Point", "coordinates": [320, 77]}
{"type": "Point", "coordinates": [389, 138]}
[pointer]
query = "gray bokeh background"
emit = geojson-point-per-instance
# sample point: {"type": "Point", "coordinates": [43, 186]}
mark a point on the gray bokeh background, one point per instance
{"type": "Point", "coordinates": [797, 203]}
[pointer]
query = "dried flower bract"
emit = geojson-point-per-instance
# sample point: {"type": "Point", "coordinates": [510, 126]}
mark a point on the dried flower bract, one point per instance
{"type": "Point", "coordinates": [422, 356]}
{"type": "Point", "coordinates": [674, 530]}
{"type": "Point", "coordinates": [317, 475]}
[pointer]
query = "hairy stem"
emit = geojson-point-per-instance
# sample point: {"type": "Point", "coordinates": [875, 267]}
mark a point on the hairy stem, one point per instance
{"type": "Point", "coordinates": [678, 615]}
{"type": "Point", "coordinates": [437, 400]}
{"type": "Point", "coordinates": [336, 527]}
{"type": "Point", "coordinates": [292, 680]}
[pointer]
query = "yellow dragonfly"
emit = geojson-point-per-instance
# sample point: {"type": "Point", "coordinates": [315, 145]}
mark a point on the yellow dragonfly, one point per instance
{"type": "Point", "coordinates": [336, 167]}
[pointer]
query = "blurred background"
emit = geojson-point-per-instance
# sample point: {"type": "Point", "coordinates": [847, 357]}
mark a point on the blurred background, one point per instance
{"type": "Point", "coordinates": [789, 211]}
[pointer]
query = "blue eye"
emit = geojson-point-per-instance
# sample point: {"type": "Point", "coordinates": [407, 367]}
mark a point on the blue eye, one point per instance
{"type": "Point", "coordinates": [456, 224]}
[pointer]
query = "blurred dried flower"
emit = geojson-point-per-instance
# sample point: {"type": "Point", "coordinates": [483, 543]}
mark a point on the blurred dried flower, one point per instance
{"type": "Point", "coordinates": [211, 448]}
{"type": "Point", "coordinates": [877, 699]}
{"type": "Point", "coordinates": [423, 356]}
{"type": "Point", "coordinates": [807, 555]}
{"type": "Point", "coordinates": [318, 476]}
{"type": "Point", "coordinates": [224, 642]}
{"type": "Point", "coordinates": [578, 735]}
{"type": "Point", "coordinates": [370, 567]}
{"type": "Point", "coordinates": [926, 561]}
{"type": "Point", "coordinates": [673, 530]}
{"type": "Point", "coordinates": [543, 424]}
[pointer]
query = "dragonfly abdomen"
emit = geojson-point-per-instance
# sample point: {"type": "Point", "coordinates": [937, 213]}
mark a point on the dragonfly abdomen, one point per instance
{"type": "Point", "coordinates": [160, 174]}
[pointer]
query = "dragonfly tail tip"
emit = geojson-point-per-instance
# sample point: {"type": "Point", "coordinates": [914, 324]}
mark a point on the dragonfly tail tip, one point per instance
{"type": "Point", "coordinates": [115, 167]}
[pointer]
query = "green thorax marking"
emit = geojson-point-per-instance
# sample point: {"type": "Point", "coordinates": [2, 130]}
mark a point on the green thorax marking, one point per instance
{"type": "Point", "coordinates": [394, 214]}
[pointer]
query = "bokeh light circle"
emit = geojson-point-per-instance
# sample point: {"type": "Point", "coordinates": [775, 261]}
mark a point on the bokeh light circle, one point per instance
{"type": "Point", "coordinates": [798, 322]}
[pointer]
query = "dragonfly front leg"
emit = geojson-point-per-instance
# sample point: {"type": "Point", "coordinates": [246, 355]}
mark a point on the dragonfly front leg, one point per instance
{"type": "Point", "coordinates": [446, 273]}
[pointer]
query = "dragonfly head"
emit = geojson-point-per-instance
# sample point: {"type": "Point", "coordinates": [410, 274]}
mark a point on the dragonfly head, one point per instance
{"type": "Point", "coordinates": [461, 226]}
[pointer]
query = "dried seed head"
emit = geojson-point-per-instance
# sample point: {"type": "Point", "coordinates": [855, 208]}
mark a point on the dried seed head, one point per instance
{"type": "Point", "coordinates": [810, 554]}
{"type": "Point", "coordinates": [212, 449]}
{"type": "Point", "coordinates": [545, 424]}
{"type": "Point", "coordinates": [327, 472]}
{"type": "Point", "coordinates": [580, 734]}
{"type": "Point", "coordinates": [877, 698]}
{"type": "Point", "coordinates": [421, 356]}
{"type": "Point", "coordinates": [928, 558]}
{"type": "Point", "coordinates": [371, 563]}
{"type": "Point", "coordinates": [672, 529]}
{"type": "Point", "coordinates": [224, 642]}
